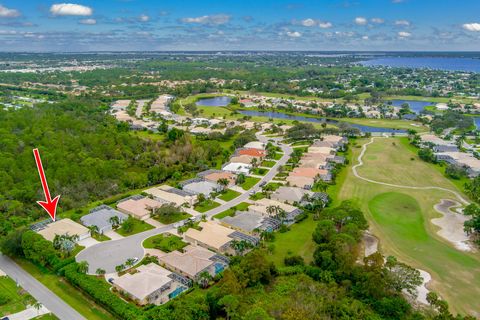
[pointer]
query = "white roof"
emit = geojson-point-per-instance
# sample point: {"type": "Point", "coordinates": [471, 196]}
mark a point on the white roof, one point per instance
{"type": "Point", "coordinates": [238, 167]}
{"type": "Point", "coordinates": [61, 227]}
{"type": "Point", "coordinates": [255, 145]}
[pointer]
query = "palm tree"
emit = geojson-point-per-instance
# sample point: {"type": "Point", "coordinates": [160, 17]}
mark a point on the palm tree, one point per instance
{"type": "Point", "coordinates": [204, 279]}
{"type": "Point", "coordinates": [254, 162]}
{"type": "Point", "coordinates": [129, 262]}
{"type": "Point", "coordinates": [93, 230]}
{"type": "Point", "coordinates": [37, 305]}
{"type": "Point", "coordinates": [271, 210]}
{"type": "Point", "coordinates": [82, 267]}
{"type": "Point", "coordinates": [100, 272]}
{"type": "Point", "coordinates": [119, 268]}
{"type": "Point", "coordinates": [223, 182]}
{"type": "Point", "coordinates": [114, 221]}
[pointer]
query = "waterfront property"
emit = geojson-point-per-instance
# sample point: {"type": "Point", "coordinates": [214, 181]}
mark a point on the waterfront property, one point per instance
{"type": "Point", "coordinates": [149, 284]}
{"type": "Point", "coordinates": [101, 217]}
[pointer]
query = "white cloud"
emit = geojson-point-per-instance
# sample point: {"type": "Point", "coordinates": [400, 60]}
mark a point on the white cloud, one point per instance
{"type": "Point", "coordinates": [294, 34]}
{"type": "Point", "coordinates": [475, 26]}
{"type": "Point", "coordinates": [403, 34]}
{"type": "Point", "coordinates": [360, 21]}
{"type": "Point", "coordinates": [8, 13]}
{"type": "Point", "coordinates": [365, 38]}
{"type": "Point", "coordinates": [212, 20]}
{"type": "Point", "coordinates": [88, 21]}
{"type": "Point", "coordinates": [70, 9]}
{"type": "Point", "coordinates": [8, 32]}
{"type": "Point", "coordinates": [325, 25]}
{"type": "Point", "coordinates": [144, 18]}
{"type": "Point", "coordinates": [398, 1]}
{"type": "Point", "coordinates": [308, 22]}
{"type": "Point", "coordinates": [314, 23]}
{"type": "Point", "coordinates": [402, 23]}
{"type": "Point", "coordinates": [377, 20]}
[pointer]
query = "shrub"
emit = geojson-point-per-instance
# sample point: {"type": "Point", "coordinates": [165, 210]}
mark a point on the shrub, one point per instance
{"type": "Point", "coordinates": [4, 298]}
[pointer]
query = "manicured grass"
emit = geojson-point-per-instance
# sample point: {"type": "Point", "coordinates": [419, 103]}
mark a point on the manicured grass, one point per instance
{"type": "Point", "coordinates": [387, 123]}
{"type": "Point", "coordinates": [267, 163]}
{"type": "Point", "coordinates": [100, 237]}
{"type": "Point", "coordinates": [257, 196]}
{"type": "Point", "coordinates": [301, 143]}
{"type": "Point", "coordinates": [16, 300]}
{"type": "Point", "coordinates": [138, 226]}
{"type": "Point", "coordinates": [206, 206]}
{"type": "Point", "coordinates": [75, 298]}
{"type": "Point", "coordinates": [259, 171]}
{"type": "Point", "coordinates": [230, 212]}
{"type": "Point", "coordinates": [172, 218]}
{"type": "Point", "coordinates": [249, 182]}
{"type": "Point", "coordinates": [229, 194]}
{"type": "Point", "coordinates": [165, 243]}
{"type": "Point", "coordinates": [296, 241]}
{"type": "Point", "coordinates": [273, 185]}
{"type": "Point", "coordinates": [278, 156]}
{"type": "Point", "coordinates": [48, 316]}
{"type": "Point", "coordinates": [401, 218]}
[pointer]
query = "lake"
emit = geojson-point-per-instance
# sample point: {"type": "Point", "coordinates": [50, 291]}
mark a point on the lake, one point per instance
{"type": "Point", "coordinates": [214, 102]}
{"type": "Point", "coordinates": [477, 122]}
{"type": "Point", "coordinates": [439, 63]}
{"type": "Point", "coordinates": [416, 106]}
{"type": "Point", "coordinates": [280, 115]}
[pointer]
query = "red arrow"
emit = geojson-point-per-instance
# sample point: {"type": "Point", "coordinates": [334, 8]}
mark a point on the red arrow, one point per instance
{"type": "Point", "coordinates": [49, 205]}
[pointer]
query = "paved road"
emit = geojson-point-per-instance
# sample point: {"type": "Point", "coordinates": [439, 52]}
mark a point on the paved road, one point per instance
{"type": "Point", "coordinates": [360, 163]}
{"type": "Point", "coordinates": [107, 255]}
{"type": "Point", "coordinates": [41, 293]}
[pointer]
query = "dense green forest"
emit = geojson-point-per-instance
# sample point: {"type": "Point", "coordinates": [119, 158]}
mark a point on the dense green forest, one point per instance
{"type": "Point", "coordinates": [87, 156]}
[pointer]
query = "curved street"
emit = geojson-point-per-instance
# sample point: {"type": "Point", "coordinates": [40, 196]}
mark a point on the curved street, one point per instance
{"type": "Point", "coordinates": [109, 254]}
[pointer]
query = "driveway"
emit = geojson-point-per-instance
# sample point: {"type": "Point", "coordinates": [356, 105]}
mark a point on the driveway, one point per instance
{"type": "Point", "coordinates": [109, 254]}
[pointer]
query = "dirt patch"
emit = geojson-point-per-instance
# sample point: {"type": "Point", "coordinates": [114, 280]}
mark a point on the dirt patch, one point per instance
{"type": "Point", "coordinates": [451, 224]}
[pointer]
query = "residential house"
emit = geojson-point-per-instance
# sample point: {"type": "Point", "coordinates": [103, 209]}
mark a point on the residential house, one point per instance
{"type": "Point", "coordinates": [101, 217]}
{"type": "Point", "coordinates": [64, 227]}
{"type": "Point", "coordinates": [139, 207]}
{"type": "Point", "coordinates": [237, 168]}
{"type": "Point", "coordinates": [167, 194]}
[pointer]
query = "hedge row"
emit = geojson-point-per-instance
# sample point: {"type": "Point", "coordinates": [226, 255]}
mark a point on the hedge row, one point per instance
{"type": "Point", "coordinates": [100, 292]}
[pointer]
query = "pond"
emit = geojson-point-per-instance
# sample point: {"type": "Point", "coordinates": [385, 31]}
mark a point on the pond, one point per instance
{"type": "Point", "coordinates": [214, 102]}
{"type": "Point", "coordinates": [280, 115]}
{"type": "Point", "coordinates": [477, 122]}
{"type": "Point", "coordinates": [415, 106]}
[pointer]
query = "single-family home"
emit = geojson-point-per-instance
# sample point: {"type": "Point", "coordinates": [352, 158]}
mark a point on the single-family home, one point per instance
{"type": "Point", "coordinates": [167, 194]}
{"type": "Point", "coordinates": [263, 207]}
{"type": "Point", "coordinates": [244, 159]}
{"type": "Point", "coordinates": [255, 145]}
{"type": "Point", "coordinates": [237, 168]}
{"type": "Point", "coordinates": [252, 152]}
{"type": "Point", "coordinates": [101, 217]}
{"type": "Point", "coordinates": [192, 261]}
{"type": "Point", "coordinates": [215, 175]}
{"type": "Point", "coordinates": [138, 207]}
{"type": "Point", "coordinates": [198, 186]}
{"type": "Point", "coordinates": [64, 227]}
{"type": "Point", "coordinates": [250, 222]}
{"type": "Point", "coordinates": [313, 173]}
{"type": "Point", "coordinates": [301, 182]}
{"type": "Point", "coordinates": [149, 284]}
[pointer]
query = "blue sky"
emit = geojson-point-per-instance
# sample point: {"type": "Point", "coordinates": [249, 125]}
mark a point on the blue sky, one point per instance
{"type": "Point", "coordinates": [239, 25]}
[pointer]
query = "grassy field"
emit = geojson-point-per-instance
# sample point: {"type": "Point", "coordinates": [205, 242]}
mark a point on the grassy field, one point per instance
{"type": "Point", "coordinates": [401, 218]}
{"type": "Point", "coordinates": [243, 206]}
{"type": "Point", "coordinates": [387, 123]}
{"type": "Point", "coordinates": [249, 182]}
{"type": "Point", "coordinates": [138, 226]}
{"type": "Point", "coordinates": [206, 206]}
{"type": "Point", "coordinates": [76, 299]}
{"type": "Point", "coordinates": [259, 171]}
{"type": "Point", "coordinates": [229, 194]}
{"type": "Point", "coordinates": [15, 300]}
{"type": "Point", "coordinates": [164, 243]}
{"type": "Point", "coordinates": [268, 163]}
{"type": "Point", "coordinates": [100, 237]}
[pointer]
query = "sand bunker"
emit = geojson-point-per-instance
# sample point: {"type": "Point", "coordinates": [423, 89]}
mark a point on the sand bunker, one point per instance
{"type": "Point", "coordinates": [371, 244]}
{"type": "Point", "coordinates": [422, 290]}
{"type": "Point", "coordinates": [451, 224]}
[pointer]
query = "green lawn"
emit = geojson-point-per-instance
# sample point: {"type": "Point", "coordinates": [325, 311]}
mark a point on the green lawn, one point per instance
{"type": "Point", "coordinates": [206, 206]}
{"type": "Point", "coordinates": [75, 298]}
{"type": "Point", "coordinates": [257, 196]}
{"type": "Point", "coordinates": [165, 243]}
{"type": "Point", "coordinates": [400, 217]}
{"type": "Point", "coordinates": [278, 156]}
{"type": "Point", "coordinates": [268, 163]}
{"type": "Point", "coordinates": [243, 206]}
{"type": "Point", "coordinates": [259, 171]}
{"type": "Point", "coordinates": [229, 194]}
{"type": "Point", "coordinates": [273, 185]}
{"type": "Point", "coordinates": [249, 182]}
{"type": "Point", "coordinates": [48, 316]}
{"type": "Point", "coordinates": [138, 226]}
{"type": "Point", "coordinates": [172, 218]}
{"type": "Point", "coordinates": [100, 237]}
{"type": "Point", "coordinates": [14, 297]}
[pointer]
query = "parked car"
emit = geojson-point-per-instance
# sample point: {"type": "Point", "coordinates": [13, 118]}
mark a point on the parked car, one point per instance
{"type": "Point", "coordinates": [263, 183]}
{"type": "Point", "coordinates": [109, 280]}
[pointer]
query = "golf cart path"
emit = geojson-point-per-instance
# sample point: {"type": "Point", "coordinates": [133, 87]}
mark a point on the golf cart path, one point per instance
{"type": "Point", "coordinates": [360, 163]}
